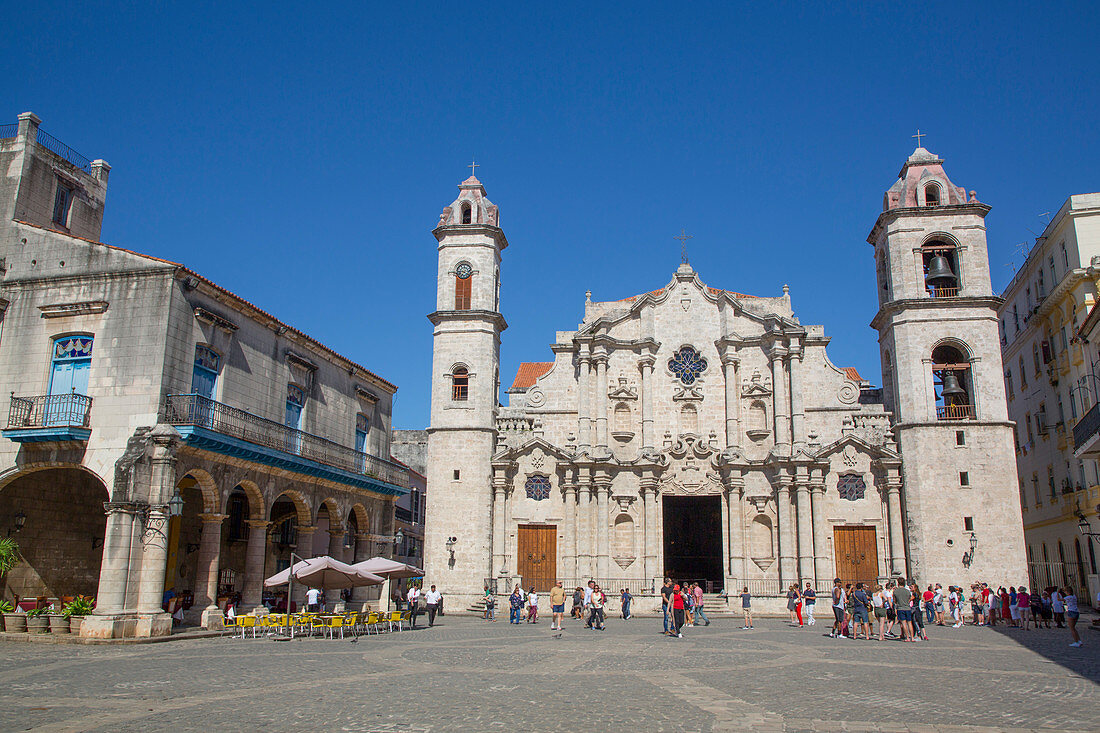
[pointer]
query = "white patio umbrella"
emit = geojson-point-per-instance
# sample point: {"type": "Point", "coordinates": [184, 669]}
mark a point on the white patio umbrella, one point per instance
{"type": "Point", "coordinates": [390, 570]}
{"type": "Point", "coordinates": [325, 572]}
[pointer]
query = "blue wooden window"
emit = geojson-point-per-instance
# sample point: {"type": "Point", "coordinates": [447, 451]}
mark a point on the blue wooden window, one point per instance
{"type": "Point", "coordinates": [72, 360]}
{"type": "Point", "coordinates": [362, 430]}
{"type": "Point", "coordinates": [295, 400]}
{"type": "Point", "coordinates": [204, 376]}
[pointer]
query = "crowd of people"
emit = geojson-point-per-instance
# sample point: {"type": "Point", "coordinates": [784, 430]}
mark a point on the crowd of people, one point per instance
{"type": "Point", "coordinates": [898, 610]}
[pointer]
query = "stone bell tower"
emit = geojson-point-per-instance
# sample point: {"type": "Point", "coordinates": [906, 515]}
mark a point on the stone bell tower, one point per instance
{"type": "Point", "coordinates": [943, 380]}
{"type": "Point", "coordinates": [465, 384]}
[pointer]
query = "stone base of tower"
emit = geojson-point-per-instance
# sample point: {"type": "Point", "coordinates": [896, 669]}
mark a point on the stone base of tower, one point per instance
{"type": "Point", "coordinates": [938, 505]}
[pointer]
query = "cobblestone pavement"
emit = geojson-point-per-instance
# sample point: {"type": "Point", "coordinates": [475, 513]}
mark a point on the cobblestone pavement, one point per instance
{"type": "Point", "coordinates": [468, 675]}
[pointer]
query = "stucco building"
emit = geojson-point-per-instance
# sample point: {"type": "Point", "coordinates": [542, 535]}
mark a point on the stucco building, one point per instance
{"type": "Point", "coordinates": [702, 432]}
{"type": "Point", "coordinates": [162, 432]}
{"type": "Point", "coordinates": [1050, 373]}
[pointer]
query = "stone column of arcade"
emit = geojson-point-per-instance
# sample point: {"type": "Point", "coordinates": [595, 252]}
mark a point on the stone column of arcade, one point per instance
{"type": "Point", "coordinates": [304, 550]}
{"type": "Point", "coordinates": [206, 572]}
{"type": "Point", "coordinates": [153, 620]}
{"type": "Point", "coordinates": [113, 574]}
{"type": "Point", "coordinates": [254, 554]}
{"type": "Point", "coordinates": [361, 552]}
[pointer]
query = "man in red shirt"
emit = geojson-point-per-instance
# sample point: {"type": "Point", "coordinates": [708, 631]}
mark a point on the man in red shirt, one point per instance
{"type": "Point", "coordinates": [929, 605]}
{"type": "Point", "coordinates": [987, 607]}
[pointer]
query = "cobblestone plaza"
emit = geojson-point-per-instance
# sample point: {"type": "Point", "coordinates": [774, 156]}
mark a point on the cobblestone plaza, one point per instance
{"type": "Point", "coordinates": [468, 675]}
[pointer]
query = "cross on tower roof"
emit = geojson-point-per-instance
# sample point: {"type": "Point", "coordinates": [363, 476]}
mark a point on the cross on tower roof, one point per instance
{"type": "Point", "coordinates": [919, 135]}
{"type": "Point", "coordinates": [473, 164]}
{"type": "Point", "coordinates": [683, 236]}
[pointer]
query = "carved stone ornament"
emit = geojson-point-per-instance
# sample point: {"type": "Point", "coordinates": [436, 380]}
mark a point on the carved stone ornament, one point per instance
{"type": "Point", "coordinates": [849, 456]}
{"type": "Point", "coordinates": [60, 310]}
{"type": "Point", "coordinates": [536, 397]}
{"type": "Point", "coordinates": [623, 391]}
{"type": "Point", "coordinates": [756, 385]}
{"type": "Point", "coordinates": [848, 393]}
{"type": "Point", "coordinates": [689, 470]}
{"type": "Point", "coordinates": [624, 561]}
{"type": "Point", "coordinates": [624, 501]}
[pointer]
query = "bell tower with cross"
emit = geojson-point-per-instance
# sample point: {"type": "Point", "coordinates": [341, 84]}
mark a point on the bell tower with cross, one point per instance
{"type": "Point", "coordinates": [943, 380]}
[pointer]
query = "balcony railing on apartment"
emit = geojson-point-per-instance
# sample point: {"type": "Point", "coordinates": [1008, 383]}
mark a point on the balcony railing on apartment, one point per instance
{"type": "Point", "coordinates": [954, 412]}
{"type": "Point", "coordinates": [199, 411]}
{"type": "Point", "coordinates": [49, 411]}
{"type": "Point", "coordinates": [1087, 426]}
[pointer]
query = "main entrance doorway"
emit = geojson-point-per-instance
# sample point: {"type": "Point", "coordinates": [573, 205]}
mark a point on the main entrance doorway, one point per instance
{"type": "Point", "coordinates": [856, 554]}
{"type": "Point", "coordinates": [537, 559]}
{"type": "Point", "coordinates": [693, 540]}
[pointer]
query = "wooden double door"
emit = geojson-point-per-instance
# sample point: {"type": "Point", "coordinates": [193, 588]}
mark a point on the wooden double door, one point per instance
{"type": "Point", "coordinates": [537, 560]}
{"type": "Point", "coordinates": [856, 554]}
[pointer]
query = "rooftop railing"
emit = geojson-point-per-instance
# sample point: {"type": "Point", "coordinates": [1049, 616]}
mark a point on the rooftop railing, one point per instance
{"type": "Point", "coordinates": [193, 409]}
{"type": "Point", "coordinates": [49, 411]}
{"type": "Point", "coordinates": [9, 131]}
{"type": "Point", "coordinates": [55, 146]}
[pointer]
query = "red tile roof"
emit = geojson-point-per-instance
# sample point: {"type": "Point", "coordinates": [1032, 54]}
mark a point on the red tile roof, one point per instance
{"type": "Point", "coordinates": [852, 374]}
{"type": "Point", "coordinates": [529, 372]}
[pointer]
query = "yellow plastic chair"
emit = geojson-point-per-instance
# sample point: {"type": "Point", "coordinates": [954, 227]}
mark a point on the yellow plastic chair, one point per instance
{"type": "Point", "coordinates": [244, 623]}
{"type": "Point", "coordinates": [373, 622]}
{"type": "Point", "coordinates": [331, 624]}
{"type": "Point", "coordinates": [398, 618]}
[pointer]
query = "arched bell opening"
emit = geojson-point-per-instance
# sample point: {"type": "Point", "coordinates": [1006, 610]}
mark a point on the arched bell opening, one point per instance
{"type": "Point", "coordinates": [951, 376]}
{"type": "Point", "coordinates": [941, 268]}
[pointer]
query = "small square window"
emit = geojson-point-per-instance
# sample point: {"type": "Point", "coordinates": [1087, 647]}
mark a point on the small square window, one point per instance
{"type": "Point", "coordinates": [457, 474]}
{"type": "Point", "coordinates": [960, 437]}
{"type": "Point", "coordinates": [964, 478]}
{"type": "Point", "coordinates": [968, 524]}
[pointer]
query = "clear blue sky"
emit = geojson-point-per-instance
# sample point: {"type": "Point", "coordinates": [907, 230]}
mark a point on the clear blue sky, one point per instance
{"type": "Point", "coordinates": [300, 154]}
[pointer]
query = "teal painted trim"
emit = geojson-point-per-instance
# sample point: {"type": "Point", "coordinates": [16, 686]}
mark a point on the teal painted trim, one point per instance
{"type": "Point", "coordinates": [48, 435]}
{"type": "Point", "coordinates": [227, 445]}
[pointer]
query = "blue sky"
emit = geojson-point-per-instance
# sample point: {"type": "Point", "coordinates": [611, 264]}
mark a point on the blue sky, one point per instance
{"type": "Point", "coordinates": [300, 155]}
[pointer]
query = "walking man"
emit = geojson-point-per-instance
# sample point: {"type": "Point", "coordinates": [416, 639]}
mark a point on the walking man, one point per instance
{"type": "Point", "coordinates": [557, 606]}
{"type": "Point", "coordinates": [433, 598]}
{"type": "Point", "coordinates": [697, 591]}
{"type": "Point", "coordinates": [666, 599]}
{"type": "Point", "coordinates": [414, 604]}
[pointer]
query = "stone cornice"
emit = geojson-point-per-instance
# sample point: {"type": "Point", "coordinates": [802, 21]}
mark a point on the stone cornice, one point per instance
{"type": "Point", "coordinates": [491, 317]}
{"type": "Point", "coordinates": [890, 215]}
{"type": "Point", "coordinates": [486, 229]}
{"type": "Point", "coordinates": [60, 310]}
{"type": "Point", "coordinates": [894, 306]}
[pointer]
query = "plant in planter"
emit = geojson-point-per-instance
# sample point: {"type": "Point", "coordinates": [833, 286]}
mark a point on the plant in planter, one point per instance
{"type": "Point", "coordinates": [76, 609]}
{"type": "Point", "coordinates": [9, 556]}
{"type": "Point", "coordinates": [38, 622]}
{"type": "Point", "coordinates": [14, 621]}
{"type": "Point", "coordinates": [59, 622]}
{"type": "Point", "coordinates": [5, 608]}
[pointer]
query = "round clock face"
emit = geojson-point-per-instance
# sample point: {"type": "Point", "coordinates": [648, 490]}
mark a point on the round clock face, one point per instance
{"type": "Point", "coordinates": [464, 271]}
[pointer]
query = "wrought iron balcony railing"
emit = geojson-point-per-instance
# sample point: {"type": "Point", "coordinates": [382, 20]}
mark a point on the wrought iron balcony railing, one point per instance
{"type": "Point", "coordinates": [1087, 426]}
{"type": "Point", "coordinates": [954, 412]}
{"type": "Point", "coordinates": [49, 411]}
{"type": "Point", "coordinates": [193, 409]}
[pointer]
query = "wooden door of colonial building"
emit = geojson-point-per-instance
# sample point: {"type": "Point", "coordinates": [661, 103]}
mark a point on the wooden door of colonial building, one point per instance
{"type": "Point", "coordinates": [537, 555]}
{"type": "Point", "coordinates": [856, 554]}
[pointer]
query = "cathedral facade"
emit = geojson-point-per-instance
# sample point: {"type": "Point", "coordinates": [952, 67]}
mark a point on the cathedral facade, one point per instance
{"type": "Point", "coordinates": [703, 433]}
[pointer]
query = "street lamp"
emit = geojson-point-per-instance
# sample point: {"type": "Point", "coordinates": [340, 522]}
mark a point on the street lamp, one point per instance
{"type": "Point", "coordinates": [20, 519]}
{"type": "Point", "coordinates": [175, 505]}
{"type": "Point", "coordinates": [1083, 524]}
{"type": "Point", "coordinates": [397, 540]}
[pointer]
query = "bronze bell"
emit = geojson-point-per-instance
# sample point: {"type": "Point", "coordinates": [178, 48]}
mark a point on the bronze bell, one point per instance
{"type": "Point", "coordinates": [952, 391]}
{"type": "Point", "coordinates": [940, 274]}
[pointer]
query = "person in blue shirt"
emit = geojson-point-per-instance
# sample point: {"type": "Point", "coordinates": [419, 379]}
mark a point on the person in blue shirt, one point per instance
{"type": "Point", "coordinates": [809, 600]}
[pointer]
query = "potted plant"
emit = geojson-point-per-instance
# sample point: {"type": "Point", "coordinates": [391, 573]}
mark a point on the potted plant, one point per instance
{"type": "Point", "coordinates": [76, 609]}
{"type": "Point", "coordinates": [37, 621]}
{"type": "Point", "coordinates": [5, 608]}
{"type": "Point", "coordinates": [59, 622]}
{"type": "Point", "coordinates": [9, 556]}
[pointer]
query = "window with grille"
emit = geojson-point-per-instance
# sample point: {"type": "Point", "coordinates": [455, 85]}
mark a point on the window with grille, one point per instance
{"type": "Point", "coordinates": [62, 204]}
{"type": "Point", "coordinates": [538, 487]}
{"type": "Point", "coordinates": [851, 486]}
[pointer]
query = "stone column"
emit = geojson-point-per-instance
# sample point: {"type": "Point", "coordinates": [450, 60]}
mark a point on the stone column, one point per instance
{"type": "Point", "coordinates": [779, 400]}
{"type": "Point", "coordinates": [206, 573]}
{"type": "Point", "coordinates": [735, 567]}
{"type": "Point", "coordinates": [897, 537]}
{"type": "Point", "coordinates": [646, 363]}
{"type": "Point", "coordinates": [569, 493]}
{"type": "Point", "coordinates": [154, 561]}
{"type": "Point", "coordinates": [304, 550]}
{"type": "Point", "coordinates": [362, 552]}
{"type": "Point", "coordinates": [730, 369]}
{"type": "Point", "coordinates": [584, 389]}
{"type": "Point", "coordinates": [111, 594]}
{"type": "Point", "coordinates": [603, 548]}
{"type": "Point", "coordinates": [798, 414]}
{"type": "Point", "coordinates": [499, 488]}
{"type": "Point", "coordinates": [805, 533]}
{"type": "Point", "coordinates": [601, 402]}
{"type": "Point", "coordinates": [821, 532]}
{"type": "Point", "coordinates": [648, 491]}
{"type": "Point", "coordinates": [588, 522]}
{"type": "Point", "coordinates": [786, 532]}
{"type": "Point", "coordinates": [254, 555]}
{"type": "Point", "coordinates": [335, 542]}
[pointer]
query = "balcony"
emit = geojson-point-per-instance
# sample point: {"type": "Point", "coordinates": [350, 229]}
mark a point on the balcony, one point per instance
{"type": "Point", "coordinates": [952, 292]}
{"type": "Point", "coordinates": [1086, 441]}
{"type": "Point", "coordinates": [954, 412]}
{"type": "Point", "coordinates": [219, 428]}
{"type": "Point", "coordinates": [49, 418]}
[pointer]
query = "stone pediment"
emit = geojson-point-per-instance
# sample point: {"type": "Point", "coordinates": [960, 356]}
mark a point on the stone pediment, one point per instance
{"type": "Point", "coordinates": [689, 467]}
{"type": "Point", "coordinates": [623, 391]}
{"type": "Point", "coordinates": [756, 385]}
{"type": "Point", "coordinates": [512, 454]}
{"type": "Point", "coordinates": [850, 444]}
